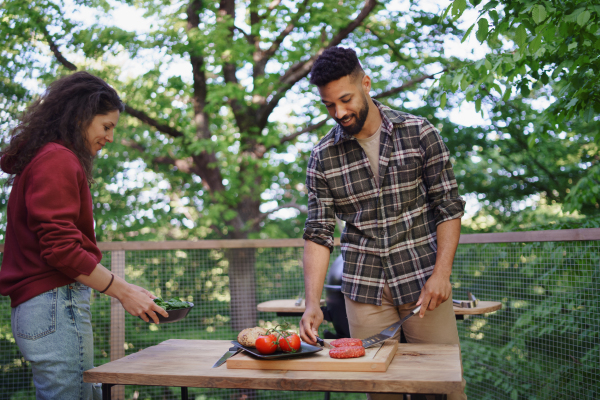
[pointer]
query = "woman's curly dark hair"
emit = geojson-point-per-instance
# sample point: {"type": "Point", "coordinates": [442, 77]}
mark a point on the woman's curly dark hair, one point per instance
{"type": "Point", "coordinates": [63, 112]}
{"type": "Point", "coordinates": [333, 64]}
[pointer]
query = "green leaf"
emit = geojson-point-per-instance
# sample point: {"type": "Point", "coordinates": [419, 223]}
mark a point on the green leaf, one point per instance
{"type": "Point", "coordinates": [531, 140]}
{"type": "Point", "coordinates": [483, 30]}
{"type": "Point", "coordinates": [443, 100]}
{"type": "Point", "coordinates": [535, 44]}
{"type": "Point", "coordinates": [457, 79]}
{"type": "Point", "coordinates": [458, 7]}
{"type": "Point", "coordinates": [488, 64]}
{"type": "Point", "coordinates": [588, 114]}
{"type": "Point", "coordinates": [583, 18]}
{"type": "Point", "coordinates": [538, 13]}
{"type": "Point", "coordinates": [494, 16]}
{"type": "Point", "coordinates": [445, 14]}
{"type": "Point", "coordinates": [464, 84]}
{"type": "Point", "coordinates": [520, 35]}
{"type": "Point", "coordinates": [572, 103]}
{"type": "Point", "coordinates": [574, 15]}
{"type": "Point", "coordinates": [490, 5]}
{"type": "Point", "coordinates": [467, 33]}
{"type": "Point", "coordinates": [478, 104]}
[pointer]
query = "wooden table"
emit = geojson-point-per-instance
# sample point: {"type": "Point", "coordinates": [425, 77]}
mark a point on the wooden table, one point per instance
{"type": "Point", "coordinates": [416, 368]}
{"type": "Point", "coordinates": [288, 307]}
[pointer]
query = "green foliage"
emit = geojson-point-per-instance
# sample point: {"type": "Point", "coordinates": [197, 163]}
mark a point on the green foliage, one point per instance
{"type": "Point", "coordinates": [547, 51]}
{"type": "Point", "coordinates": [207, 158]}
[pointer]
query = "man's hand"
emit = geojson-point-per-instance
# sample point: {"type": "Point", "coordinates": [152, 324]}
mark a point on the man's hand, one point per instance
{"type": "Point", "coordinates": [437, 290]}
{"type": "Point", "coordinates": [309, 324]}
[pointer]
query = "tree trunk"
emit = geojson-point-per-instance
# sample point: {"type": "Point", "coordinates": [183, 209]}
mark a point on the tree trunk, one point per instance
{"type": "Point", "coordinates": [242, 286]}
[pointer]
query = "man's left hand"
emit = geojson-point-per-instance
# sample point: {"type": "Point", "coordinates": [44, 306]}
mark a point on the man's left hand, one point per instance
{"type": "Point", "coordinates": [437, 290]}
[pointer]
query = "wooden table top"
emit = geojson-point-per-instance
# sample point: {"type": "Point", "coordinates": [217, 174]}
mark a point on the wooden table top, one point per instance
{"type": "Point", "coordinates": [416, 368]}
{"type": "Point", "coordinates": [287, 306]}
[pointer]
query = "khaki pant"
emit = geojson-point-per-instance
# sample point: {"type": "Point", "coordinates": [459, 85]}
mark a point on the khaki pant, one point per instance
{"type": "Point", "coordinates": [438, 326]}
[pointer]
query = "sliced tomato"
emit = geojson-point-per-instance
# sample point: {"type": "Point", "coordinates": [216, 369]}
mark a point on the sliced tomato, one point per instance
{"type": "Point", "coordinates": [289, 344]}
{"type": "Point", "coordinates": [266, 344]}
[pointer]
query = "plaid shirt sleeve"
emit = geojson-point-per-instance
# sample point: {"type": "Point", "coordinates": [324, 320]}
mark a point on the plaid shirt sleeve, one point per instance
{"type": "Point", "coordinates": [442, 189]}
{"type": "Point", "coordinates": [320, 223]}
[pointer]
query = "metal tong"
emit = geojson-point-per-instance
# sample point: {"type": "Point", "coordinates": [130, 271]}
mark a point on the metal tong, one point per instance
{"type": "Point", "coordinates": [471, 303]}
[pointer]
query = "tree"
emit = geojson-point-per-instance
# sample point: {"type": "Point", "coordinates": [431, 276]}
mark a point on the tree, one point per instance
{"type": "Point", "coordinates": [540, 50]}
{"type": "Point", "coordinates": [215, 138]}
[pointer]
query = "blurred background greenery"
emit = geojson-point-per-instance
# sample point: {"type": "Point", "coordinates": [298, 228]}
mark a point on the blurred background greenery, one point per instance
{"type": "Point", "coordinates": [220, 122]}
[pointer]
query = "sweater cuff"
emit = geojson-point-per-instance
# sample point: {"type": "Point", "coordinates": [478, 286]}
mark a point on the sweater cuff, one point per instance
{"type": "Point", "coordinates": [85, 267]}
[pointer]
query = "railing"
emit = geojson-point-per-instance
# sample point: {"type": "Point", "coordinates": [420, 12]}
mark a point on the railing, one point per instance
{"type": "Point", "coordinates": [543, 344]}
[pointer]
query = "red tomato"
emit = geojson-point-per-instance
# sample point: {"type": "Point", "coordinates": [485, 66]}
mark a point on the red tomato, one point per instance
{"type": "Point", "coordinates": [289, 344]}
{"type": "Point", "coordinates": [266, 344]}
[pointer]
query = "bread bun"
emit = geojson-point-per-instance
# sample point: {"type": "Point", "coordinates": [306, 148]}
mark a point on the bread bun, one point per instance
{"type": "Point", "coordinates": [248, 336]}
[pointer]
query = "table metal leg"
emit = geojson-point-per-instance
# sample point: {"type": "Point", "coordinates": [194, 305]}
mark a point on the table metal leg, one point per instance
{"type": "Point", "coordinates": [184, 393]}
{"type": "Point", "coordinates": [106, 391]}
{"type": "Point", "coordinates": [327, 395]}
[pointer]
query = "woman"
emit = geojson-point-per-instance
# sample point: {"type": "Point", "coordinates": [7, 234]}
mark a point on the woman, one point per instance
{"type": "Point", "coordinates": [50, 255]}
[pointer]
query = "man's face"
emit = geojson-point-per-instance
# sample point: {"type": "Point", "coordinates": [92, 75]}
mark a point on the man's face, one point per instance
{"type": "Point", "coordinates": [346, 102]}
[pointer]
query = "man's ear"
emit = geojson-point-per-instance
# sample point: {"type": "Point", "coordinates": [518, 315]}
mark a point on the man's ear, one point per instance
{"type": "Point", "coordinates": [366, 84]}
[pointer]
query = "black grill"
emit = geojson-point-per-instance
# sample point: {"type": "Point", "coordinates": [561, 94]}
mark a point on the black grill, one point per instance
{"type": "Point", "coordinates": [335, 306]}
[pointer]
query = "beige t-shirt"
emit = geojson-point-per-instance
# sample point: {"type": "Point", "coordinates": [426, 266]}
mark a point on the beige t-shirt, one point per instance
{"type": "Point", "coordinates": [371, 146]}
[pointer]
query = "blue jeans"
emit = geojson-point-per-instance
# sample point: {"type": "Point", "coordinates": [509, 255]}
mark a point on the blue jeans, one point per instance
{"type": "Point", "coordinates": [54, 333]}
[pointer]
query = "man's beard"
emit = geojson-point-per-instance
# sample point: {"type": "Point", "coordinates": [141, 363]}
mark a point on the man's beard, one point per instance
{"type": "Point", "coordinates": [356, 127]}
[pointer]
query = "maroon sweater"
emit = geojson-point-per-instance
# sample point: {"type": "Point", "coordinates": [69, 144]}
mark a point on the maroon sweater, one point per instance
{"type": "Point", "coordinates": [50, 236]}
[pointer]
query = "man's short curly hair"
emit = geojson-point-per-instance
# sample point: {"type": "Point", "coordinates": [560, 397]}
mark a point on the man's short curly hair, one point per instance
{"type": "Point", "coordinates": [333, 64]}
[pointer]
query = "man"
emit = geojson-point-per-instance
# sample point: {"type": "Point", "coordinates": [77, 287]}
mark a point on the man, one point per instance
{"type": "Point", "coordinates": [388, 176]}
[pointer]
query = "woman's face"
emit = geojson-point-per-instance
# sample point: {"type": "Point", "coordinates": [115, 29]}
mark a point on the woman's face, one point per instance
{"type": "Point", "coordinates": [101, 130]}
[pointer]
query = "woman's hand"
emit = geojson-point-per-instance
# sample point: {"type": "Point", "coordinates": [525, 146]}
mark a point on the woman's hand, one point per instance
{"type": "Point", "coordinates": [138, 302]}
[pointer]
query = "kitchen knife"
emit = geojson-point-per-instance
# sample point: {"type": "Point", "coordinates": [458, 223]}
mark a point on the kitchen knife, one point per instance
{"type": "Point", "coordinates": [388, 332]}
{"type": "Point", "coordinates": [229, 353]}
{"type": "Point", "coordinates": [323, 343]}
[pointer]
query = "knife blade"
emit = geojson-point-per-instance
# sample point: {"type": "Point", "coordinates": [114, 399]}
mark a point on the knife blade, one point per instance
{"type": "Point", "coordinates": [229, 353]}
{"type": "Point", "coordinates": [388, 332]}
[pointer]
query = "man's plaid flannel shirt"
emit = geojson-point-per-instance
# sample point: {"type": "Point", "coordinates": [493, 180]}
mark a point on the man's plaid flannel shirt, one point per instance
{"type": "Point", "coordinates": [390, 233]}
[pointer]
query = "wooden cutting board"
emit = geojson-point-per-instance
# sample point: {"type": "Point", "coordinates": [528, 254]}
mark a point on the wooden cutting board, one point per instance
{"type": "Point", "coordinates": [376, 359]}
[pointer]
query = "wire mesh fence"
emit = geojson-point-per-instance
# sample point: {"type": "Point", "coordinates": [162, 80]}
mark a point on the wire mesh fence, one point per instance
{"type": "Point", "coordinates": [543, 344]}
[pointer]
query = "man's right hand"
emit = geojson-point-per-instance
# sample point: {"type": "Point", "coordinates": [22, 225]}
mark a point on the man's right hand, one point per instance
{"type": "Point", "coordinates": [309, 324]}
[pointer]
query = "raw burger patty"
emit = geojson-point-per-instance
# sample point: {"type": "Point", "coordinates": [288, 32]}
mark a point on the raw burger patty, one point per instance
{"type": "Point", "coordinates": [347, 352]}
{"type": "Point", "coordinates": [346, 342]}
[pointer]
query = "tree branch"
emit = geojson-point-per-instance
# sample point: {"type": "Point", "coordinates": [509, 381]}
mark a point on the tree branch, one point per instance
{"type": "Point", "coordinates": [292, 204]}
{"type": "Point", "coordinates": [301, 131]}
{"type": "Point", "coordinates": [142, 116]}
{"type": "Point", "coordinates": [390, 44]}
{"type": "Point", "coordinates": [246, 35]}
{"type": "Point", "coordinates": [61, 59]}
{"type": "Point", "coordinates": [301, 70]}
{"type": "Point", "coordinates": [406, 85]}
{"type": "Point", "coordinates": [283, 34]}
